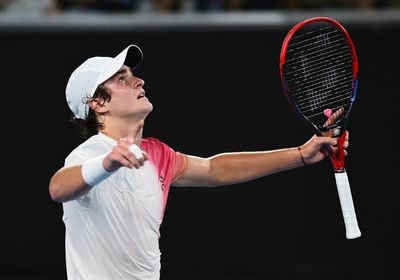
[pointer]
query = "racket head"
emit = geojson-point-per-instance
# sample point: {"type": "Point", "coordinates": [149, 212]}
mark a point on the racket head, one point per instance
{"type": "Point", "coordinates": [319, 71]}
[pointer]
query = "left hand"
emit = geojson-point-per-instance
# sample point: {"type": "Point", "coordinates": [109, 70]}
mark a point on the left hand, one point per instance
{"type": "Point", "coordinates": [313, 150]}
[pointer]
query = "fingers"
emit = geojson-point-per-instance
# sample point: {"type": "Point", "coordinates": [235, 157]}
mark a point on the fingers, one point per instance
{"type": "Point", "coordinates": [347, 135]}
{"type": "Point", "coordinates": [127, 152]}
{"type": "Point", "coordinates": [319, 147]}
{"type": "Point", "coordinates": [333, 142]}
{"type": "Point", "coordinates": [123, 155]}
{"type": "Point", "coordinates": [346, 143]}
{"type": "Point", "coordinates": [335, 150]}
{"type": "Point", "coordinates": [326, 140]}
{"type": "Point", "coordinates": [336, 132]}
{"type": "Point", "coordinates": [333, 132]}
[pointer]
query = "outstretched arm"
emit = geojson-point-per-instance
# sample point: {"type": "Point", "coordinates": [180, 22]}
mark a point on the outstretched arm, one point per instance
{"type": "Point", "coordinates": [232, 168]}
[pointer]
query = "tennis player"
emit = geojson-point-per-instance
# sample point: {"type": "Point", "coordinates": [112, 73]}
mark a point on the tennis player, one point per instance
{"type": "Point", "coordinates": [114, 186]}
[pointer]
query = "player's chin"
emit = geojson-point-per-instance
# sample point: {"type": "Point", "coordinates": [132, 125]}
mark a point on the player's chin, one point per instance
{"type": "Point", "coordinates": [147, 108]}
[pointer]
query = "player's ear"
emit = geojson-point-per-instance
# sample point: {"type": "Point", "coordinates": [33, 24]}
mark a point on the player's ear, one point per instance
{"type": "Point", "coordinates": [99, 106]}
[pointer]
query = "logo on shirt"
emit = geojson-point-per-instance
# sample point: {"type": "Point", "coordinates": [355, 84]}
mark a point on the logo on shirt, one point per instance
{"type": "Point", "coordinates": [162, 183]}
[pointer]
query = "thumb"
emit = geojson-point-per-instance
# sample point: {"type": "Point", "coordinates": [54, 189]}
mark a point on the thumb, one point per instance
{"type": "Point", "coordinates": [335, 132]}
{"type": "Point", "coordinates": [328, 140]}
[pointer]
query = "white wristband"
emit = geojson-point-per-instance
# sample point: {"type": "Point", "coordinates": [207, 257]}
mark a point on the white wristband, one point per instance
{"type": "Point", "coordinates": [93, 171]}
{"type": "Point", "coordinates": [135, 150]}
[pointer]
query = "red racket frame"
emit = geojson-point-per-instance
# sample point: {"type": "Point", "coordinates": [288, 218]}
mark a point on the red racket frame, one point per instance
{"type": "Point", "coordinates": [337, 160]}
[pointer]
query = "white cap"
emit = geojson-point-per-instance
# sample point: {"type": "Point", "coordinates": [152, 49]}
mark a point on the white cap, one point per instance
{"type": "Point", "coordinates": [84, 81]}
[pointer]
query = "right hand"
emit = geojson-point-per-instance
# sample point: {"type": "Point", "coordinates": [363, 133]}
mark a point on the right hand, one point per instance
{"type": "Point", "coordinates": [122, 156]}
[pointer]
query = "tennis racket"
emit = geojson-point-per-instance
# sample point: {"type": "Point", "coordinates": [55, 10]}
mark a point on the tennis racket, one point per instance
{"type": "Point", "coordinates": [318, 68]}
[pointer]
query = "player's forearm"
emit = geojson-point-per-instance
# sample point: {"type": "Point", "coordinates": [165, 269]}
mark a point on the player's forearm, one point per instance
{"type": "Point", "coordinates": [232, 168]}
{"type": "Point", "coordinates": [67, 184]}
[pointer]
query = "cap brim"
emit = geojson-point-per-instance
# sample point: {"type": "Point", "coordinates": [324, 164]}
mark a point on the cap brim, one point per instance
{"type": "Point", "coordinates": [130, 56]}
{"type": "Point", "coordinates": [134, 56]}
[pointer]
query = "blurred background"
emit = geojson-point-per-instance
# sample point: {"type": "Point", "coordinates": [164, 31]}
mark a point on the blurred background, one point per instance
{"type": "Point", "coordinates": [139, 6]}
{"type": "Point", "coordinates": [212, 73]}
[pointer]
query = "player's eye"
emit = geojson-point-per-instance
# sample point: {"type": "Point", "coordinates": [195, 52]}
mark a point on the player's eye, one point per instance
{"type": "Point", "coordinates": [121, 78]}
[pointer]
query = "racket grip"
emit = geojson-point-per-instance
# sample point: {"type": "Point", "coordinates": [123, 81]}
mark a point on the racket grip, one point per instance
{"type": "Point", "coordinates": [346, 203]}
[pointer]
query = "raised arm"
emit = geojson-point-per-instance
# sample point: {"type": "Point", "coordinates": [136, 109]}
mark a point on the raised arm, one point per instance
{"type": "Point", "coordinates": [232, 168]}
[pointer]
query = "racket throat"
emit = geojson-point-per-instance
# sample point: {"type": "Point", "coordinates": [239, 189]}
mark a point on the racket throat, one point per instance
{"type": "Point", "coordinates": [337, 159]}
{"type": "Point", "coordinates": [338, 165]}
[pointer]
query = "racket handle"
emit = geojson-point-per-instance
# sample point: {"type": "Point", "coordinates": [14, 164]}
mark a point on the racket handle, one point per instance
{"type": "Point", "coordinates": [346, 202]}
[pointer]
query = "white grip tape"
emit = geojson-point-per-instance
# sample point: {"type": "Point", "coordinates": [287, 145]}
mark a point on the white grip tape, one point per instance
{"type": "Point", "coordinates": [135, 150]}
{"type": "Point", "coordinates": [93, 171]}
{"type": "Point", "coordinates": [346, 202]}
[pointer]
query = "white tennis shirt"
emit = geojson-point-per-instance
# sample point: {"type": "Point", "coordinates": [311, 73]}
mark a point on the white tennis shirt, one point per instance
{"type": "Point", "coordinates": [112, 232]}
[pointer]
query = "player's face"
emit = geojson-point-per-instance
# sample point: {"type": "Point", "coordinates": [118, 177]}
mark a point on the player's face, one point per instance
{"type": "Point", "coordinates": [128, 97]}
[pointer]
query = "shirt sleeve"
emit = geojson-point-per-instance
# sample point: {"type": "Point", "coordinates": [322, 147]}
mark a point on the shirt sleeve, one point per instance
{"type": "Point", "coordinates": [170, 164]}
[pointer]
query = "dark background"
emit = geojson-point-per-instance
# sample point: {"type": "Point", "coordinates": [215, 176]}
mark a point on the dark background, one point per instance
{"type": "Point", "coordinates": [213, 91]}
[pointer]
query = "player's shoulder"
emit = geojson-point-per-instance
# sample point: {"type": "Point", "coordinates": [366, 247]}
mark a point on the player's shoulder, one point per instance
{"type": "Point", "coordinates": [153, 145]}
{"type": "Point", "coordinates": [94, 145]}
{"type": "Point", "coordinates": [152, 142]}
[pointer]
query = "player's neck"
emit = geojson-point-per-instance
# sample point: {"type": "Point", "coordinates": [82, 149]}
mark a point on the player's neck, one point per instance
{"type": "Point", "coordinates": [118, 131]}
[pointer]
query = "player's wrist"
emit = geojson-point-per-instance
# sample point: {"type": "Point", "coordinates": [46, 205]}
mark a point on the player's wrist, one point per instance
{"type": "Point", "coordinates": [301, 157]}
{"type": "Point", "coordinates": [93, 171]}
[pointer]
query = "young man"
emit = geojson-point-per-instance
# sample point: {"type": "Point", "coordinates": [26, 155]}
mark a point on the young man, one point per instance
{"type": "Point", "coordinates": [114, 186]}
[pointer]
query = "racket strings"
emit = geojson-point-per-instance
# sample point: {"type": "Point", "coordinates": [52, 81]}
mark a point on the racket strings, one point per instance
{"type": "Point", "coordinates": [320, 84]}
{"type": "Point", "coordinates": [322, 113]}
{"type": "Point", "coordinates": [319, 95]}
{"type": "Point", "coordinates": [320, 61]}
{"type": "Point", "coordinates": [332, 54]}
{"type": "Point", "coordinates": [320, 81]}
{"type": "Point", "coordinates": [312, 102]}
{"type": "Point", "coordinates": [312, 47]}
{"type": "Point", "coordinates": [310, 33]}
{"type": "Point", "coordinates": [318, 70]}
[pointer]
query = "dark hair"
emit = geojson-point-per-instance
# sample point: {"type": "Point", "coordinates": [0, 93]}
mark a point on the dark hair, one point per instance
{"type": "Point", "coordinates": [91, 125]}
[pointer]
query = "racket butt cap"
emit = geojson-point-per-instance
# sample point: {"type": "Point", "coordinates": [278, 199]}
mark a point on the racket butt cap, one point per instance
{"type": "Point", "coordinates": [353, 235]}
